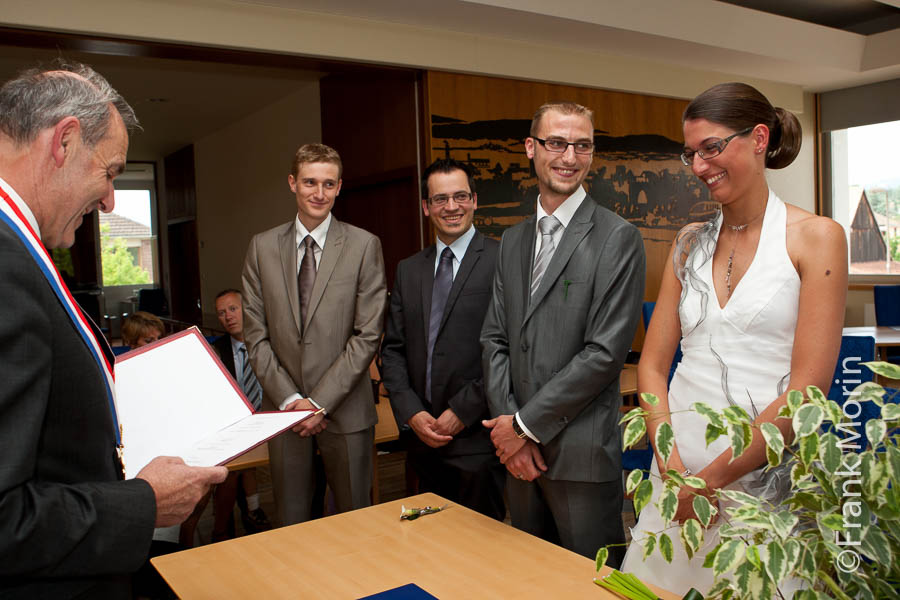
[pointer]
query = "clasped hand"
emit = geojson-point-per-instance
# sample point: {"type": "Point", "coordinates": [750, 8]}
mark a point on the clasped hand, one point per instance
{"type": "Point", "coordinates": [311, 426]}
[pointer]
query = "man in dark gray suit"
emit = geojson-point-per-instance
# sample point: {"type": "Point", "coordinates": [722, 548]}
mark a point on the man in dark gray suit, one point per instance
{"type": "Point", "coordinates": [431, 354]}
{"type": "Point", "coordinates": [70, 526]}
{"type": "Point", "coordinates": [566, 300]}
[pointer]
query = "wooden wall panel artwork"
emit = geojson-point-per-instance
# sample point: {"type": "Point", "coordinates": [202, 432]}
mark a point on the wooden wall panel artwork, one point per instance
{"type": "Point", "coordinates": [636, 171]}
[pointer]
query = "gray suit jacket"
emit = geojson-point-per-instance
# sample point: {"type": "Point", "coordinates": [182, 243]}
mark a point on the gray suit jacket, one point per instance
{"type": "Point", "coordinates": [556, 360]}
{"type": "Point", "coordinates": [330, 360]}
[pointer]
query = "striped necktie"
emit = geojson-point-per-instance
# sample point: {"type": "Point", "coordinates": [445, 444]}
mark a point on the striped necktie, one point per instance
{"type": "Point", "coordinates": [548, 226]}
{"type": "Point", "coordinates": [249, 383]}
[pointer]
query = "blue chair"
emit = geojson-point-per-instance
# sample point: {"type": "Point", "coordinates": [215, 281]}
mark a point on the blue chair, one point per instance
{"type": "Point", "coordinates": [647, 312]}
{"type": "Point", "coordinates": [887, 312]}
{"type": "Point", "coordinates": [849, 373]}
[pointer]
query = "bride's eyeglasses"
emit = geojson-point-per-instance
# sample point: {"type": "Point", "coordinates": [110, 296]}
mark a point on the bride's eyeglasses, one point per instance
{"type": "Point", "coordinates": [710, 147]}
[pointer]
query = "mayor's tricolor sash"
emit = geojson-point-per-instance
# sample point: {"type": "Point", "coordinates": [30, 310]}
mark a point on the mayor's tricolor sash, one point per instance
{"type": "Point", "coordinates": [11, 214]}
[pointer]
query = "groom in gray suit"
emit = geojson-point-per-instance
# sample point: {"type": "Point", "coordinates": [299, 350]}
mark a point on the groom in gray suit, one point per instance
{"type": "Point", "coordinates": [566, 300]}
{"type": "Point", "coordinates": [314, 301]}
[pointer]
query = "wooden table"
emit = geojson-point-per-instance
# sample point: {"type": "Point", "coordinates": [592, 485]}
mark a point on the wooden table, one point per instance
{"type": "Point", "coordinates": [457, 553]}
{"type": "Point", "coordinates": [258, 457]}
{"type": "Point", "coordinates": [628, 380]}
{"type": "Point", "coordinates": [885, 337]}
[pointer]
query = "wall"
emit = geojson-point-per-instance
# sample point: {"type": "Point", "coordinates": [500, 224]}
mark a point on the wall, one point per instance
{"type": "Point", "coordinates": [242, 186]}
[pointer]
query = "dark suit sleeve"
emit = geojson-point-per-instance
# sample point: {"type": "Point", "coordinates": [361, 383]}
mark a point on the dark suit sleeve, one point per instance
{"type": "Point", "coordinates": [49, 528]}
{"type": "Point", "coordinates": [611, 323]}
{"type": "Point", "coordinates": [404, 400]}
{"type": "Point", "coordinates": [495, 346]}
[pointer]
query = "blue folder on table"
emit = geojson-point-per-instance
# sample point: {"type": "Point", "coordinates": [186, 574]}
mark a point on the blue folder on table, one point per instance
{"type": "Point", "coordinates": [410, 591]}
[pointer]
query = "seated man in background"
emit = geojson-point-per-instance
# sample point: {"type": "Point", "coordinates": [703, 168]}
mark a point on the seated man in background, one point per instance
{"type": "Point", "coordinates": [141, 328]}
{"type": "Point", "coordinates": [233, 352]}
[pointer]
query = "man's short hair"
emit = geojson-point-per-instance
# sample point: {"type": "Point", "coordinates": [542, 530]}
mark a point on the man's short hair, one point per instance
{"type": "Point", "coordinates": [316, 153]}
{"type": "Point", "coordinates": [229, 291]}
{"type": "Point", "coordinates": [565, 108]}
{"type": "Point", "coordinates": [447, 165]}
{"type": "Point", "coordinates": [41, 98]}
{"type": "Point", "coordinates": [139, 323]}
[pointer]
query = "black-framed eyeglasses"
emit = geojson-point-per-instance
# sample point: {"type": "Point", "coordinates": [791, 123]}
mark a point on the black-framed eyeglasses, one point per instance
{"type": "Point", "coordinates": [460, 198]}
{"type": "Point", "coordinates": [559, 145]}
{"type": "Point", "coordinates": [710, 147]}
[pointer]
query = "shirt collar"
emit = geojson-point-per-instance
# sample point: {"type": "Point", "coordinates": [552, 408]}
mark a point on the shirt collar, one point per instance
{"type": "Point", "coordinates": [318, 234]}
{"type": "Point", "coordinates": [22, 206]}
{"type": "Point", "coordinates": [566, 210]}
{"type": "Point", "coordinates": [459, 245]}
{"type": "Point", "coordinates": [236, 345]}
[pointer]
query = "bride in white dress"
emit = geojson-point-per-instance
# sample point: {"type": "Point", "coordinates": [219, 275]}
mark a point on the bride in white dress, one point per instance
{"type": "Point", "coordinates": [756, 297]}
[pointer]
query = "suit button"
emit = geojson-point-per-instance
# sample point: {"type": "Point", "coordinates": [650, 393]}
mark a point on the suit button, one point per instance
{"type": "Point", "coordinates": [563, 421]}
{"type": "Point", "coordinates": [524, 347]}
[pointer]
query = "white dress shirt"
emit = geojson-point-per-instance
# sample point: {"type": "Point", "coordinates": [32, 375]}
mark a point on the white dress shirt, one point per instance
{"type": "Point", "coordinates": [458, 248]}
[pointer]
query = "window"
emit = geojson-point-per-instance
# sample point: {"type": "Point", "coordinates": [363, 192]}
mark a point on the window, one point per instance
{"type": "Point", "coordinates": [128, 248]}
{"type": "Point", "coordinates": [865, 195]}
{"type": "Point", "coordinates": [861, 175]}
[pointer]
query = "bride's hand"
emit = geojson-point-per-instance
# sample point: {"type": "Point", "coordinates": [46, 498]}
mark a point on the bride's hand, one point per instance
{"type": "Point", "coordinates": [686, 496]}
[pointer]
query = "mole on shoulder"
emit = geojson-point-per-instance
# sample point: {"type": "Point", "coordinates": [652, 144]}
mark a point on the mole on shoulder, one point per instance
{"type": "Point", "coordinates": [827, 272]}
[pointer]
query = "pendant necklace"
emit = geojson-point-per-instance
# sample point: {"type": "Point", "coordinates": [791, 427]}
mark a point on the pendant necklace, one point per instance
{"type": "Point", "coordinates": [736, 229]}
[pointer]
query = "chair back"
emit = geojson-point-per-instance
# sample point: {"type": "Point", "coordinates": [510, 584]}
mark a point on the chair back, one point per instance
{"type": "Point", "coordinates": [887, 305]}
{"type": "Point", "coordinates": [849, 373]}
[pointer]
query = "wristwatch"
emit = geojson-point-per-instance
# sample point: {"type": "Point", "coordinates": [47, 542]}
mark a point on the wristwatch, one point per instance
{"type": "Point", "coordinates": [520, 433]}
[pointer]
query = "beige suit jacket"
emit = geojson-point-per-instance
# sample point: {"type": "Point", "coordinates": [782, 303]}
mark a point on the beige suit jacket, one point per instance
{"type": "Point", "coordinates": [327, 359]}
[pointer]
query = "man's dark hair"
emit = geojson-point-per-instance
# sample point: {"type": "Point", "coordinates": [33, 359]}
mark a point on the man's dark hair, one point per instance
{"type": "Point", "coordinates": [229, 291]}
{"type": "Point", "coordinates": [39, 98]}
{"type": "Point", "coordinates": [447, 165]}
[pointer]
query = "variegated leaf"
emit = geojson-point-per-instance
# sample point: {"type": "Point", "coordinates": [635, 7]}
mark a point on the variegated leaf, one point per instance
{"type": "Point", "coordinates": [832, 521]}
{"type": "Point", "coordinates": [632, 414]}
{"type": "Point", "coordinates": [876, 546]}
{"type": "Point", "coordinates": [634, 431]}
{"type": "Point", "coordinates": [869, 391]}
{"type": "Point", "coordinates": [703, 509]}
{"type": "Point", "coordinates": [736, 414]}
{"type": "Point", "coordinates": [642, 496]}
{"type": "Point", "coordinates": [742, 497]}
{"type": "Point", "coordinates": [649, 544]}
{"type": "Point", "coordinates": [695, 482]}
{"type": "Point", "coordinates": [665, 441]}
{"type": "Point", "coordinates": [713, 433]}
{"type": "Point", "coordinates": [712, 417]}
{"type": "Point", "coordinates": [893, 462]}
{"type": "Point", "coordinates": [875, 430]}
{"type": "Point", "coordinates": [829, 453]}
{"type": "Point", "coordinates": [675, 476]}
{"type": "Point", "coordinates": [736, 437]}
{"type": "Point", "coordinates": [874, 475]}
{"type": "Point", "coordinates": [753, 556]}
{"type": "Point", "coordinates": [794, 400]}
{"type": "Point", "coordinates": [729, 555]}
{"type": "Point", "coordinates": [773, 437]}
{"type": "Point", "coordinates": [890, 412]}
{"type": "Point", "coordinates": [806, 566]}
{"type": "Point", "coordinates": [885, 369]}
{"type": "Point", "coordinates": [650, 399]}
{"type": "Point", "coordinates": [807, 419]}
{"type": "Point", "coordinates": [692, 535]}
{"type": "Point", "coordinates": [772, 457]}
{"type": "Point", "coordinates": [798, 473]}
{"type": "Point", "coordinates": [808, 447]}
{"type": "Point", "coordinates": [666, 549]}
{"type": "Point", "coordinates": [634, 478]}
{"type": "Point", "coordinates": [834, 411]}
{"type": "Point", "coordinates": [667, 505]}
{"type": "Point", "coordinates": [816, 396]}
{"type": "Point", "coordinates": [791, 554]}
{"type": "Point", "coordinates": [775, 560]}
{"type": "Point", "coordinates": [602, 555]}
{"type": "Point", "coordinates": [783, 522]}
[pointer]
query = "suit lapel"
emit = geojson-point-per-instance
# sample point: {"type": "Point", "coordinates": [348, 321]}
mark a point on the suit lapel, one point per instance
{"type": "Point", "coordinates": [426, 269]}
{"type": "Point", "coordinates": [287, 242]}
{"type": "Point", "coordinates": [470, 259]}
{"type": "Point", "coordinates": [334, 243]}
{"type": "Point", "coordinates": [579, 227]}
{"type": "Point", "coordinates": [527, 259]}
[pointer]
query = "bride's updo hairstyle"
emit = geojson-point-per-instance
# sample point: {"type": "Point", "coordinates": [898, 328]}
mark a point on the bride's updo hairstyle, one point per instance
{"type": "Point", "coordinates": [739, 106]}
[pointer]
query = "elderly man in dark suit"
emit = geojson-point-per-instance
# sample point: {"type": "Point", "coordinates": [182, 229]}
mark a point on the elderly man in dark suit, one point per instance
{"type": "Point", "coordinates": [314, 301]}
{"type": "Point", "coordinates": [431, 352]}
{"type": "Point", "coordinates": [69, 525]}
{"type": "Point", "coordinates": [566, 300]}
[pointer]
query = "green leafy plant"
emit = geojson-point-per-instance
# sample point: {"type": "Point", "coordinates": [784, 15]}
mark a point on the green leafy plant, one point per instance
{"type": "Point", "coordinates": [838, 530]}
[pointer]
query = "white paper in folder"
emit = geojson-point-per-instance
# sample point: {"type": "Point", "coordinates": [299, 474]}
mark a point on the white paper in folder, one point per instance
{"type": "Point", "coordinates": [175, 398]}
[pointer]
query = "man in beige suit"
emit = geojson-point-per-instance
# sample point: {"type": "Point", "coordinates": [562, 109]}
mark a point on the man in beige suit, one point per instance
{"type": "Point", "coordinates": [315, 296]}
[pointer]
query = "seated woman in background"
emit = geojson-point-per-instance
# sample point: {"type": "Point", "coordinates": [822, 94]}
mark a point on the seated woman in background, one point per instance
{"type": "Point", "coordinates": [141, 328]}
{"type": "Point", "coordinates": [756, 296]}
